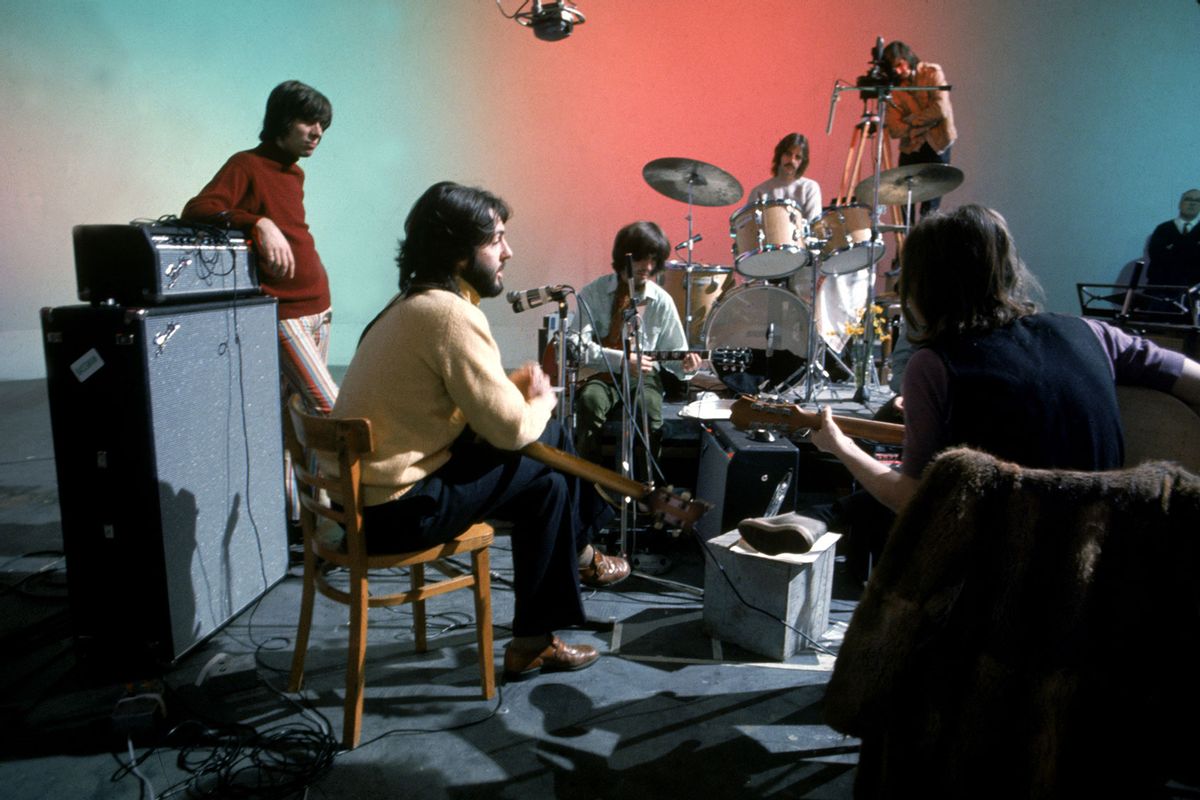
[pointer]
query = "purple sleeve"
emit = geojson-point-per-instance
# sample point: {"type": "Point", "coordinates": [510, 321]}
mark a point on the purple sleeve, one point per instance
{"type": "Point", "coordinates": [926, 411]}
{"type": "Point", "coordinates": [1137, 361]}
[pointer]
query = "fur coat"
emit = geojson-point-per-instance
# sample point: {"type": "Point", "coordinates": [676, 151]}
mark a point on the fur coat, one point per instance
{"type": "Point", "coordinates": [1028, 633]}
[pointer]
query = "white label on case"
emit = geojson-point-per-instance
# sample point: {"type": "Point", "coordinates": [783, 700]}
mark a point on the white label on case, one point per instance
{"type": "Point", "coordinates": [87, 365]}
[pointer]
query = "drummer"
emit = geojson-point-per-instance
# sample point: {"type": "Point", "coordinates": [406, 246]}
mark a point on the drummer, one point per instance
{"type": "Point", "coordinates": [788, 181]}
{"type": "Point", "coordinates": [839, 298]}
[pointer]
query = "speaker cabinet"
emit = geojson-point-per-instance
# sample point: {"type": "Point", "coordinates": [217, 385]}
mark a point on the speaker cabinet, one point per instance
{"type": "Point", "coordinates": [168, 448]}
{"type": "Point", "coordinates": [740, 475]}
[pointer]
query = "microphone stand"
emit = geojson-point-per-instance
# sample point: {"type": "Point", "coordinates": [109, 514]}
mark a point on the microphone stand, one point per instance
{"type": "Point", "coordinates": [566, 375]}
{"type": "Point", "coordinates": [633, 397]}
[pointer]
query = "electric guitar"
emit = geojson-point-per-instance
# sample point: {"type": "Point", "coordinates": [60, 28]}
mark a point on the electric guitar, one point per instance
{"type": "Point", "coordinates": [747, 412]}
{"type": "Point", "coordinates": [726, 359]}
{"type": "Point", "coordinates": [667, 506]}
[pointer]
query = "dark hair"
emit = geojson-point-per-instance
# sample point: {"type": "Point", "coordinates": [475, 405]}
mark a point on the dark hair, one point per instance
{"type": "Point", "coordinates": [902, 51]}
{"type": "Point", "coordinates": [443, 229]}
{"type": "Point", "coordinates": [291, 101]}
{"type": "Point", "coordinates": [960, 274]}
{"type": "Point", "coordinates": [787, 143]}
{"type": "Point", "coordinates": [641, 240]}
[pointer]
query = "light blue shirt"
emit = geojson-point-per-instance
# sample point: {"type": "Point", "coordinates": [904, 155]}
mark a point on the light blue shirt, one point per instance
{"type": "Point", "coordinates": [659, 329]}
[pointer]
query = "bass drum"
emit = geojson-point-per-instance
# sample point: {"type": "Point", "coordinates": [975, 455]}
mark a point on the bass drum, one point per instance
{"type": "Point", "coordinates": [767, 320]}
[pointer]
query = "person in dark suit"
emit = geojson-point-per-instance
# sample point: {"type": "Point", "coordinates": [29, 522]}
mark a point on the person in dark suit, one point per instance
{"type": "Point", "coordinates": [1174, 246]}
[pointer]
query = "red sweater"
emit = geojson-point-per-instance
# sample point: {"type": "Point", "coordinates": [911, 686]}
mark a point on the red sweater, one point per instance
{"type": "Point", "coordinates": [266, 182]}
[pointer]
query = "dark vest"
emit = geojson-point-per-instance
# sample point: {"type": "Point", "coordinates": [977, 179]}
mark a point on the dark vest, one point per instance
{"type": "Point", "coordinates": [1038, 391]}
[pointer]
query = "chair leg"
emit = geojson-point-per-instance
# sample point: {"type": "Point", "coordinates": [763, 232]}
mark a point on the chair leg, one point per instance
{"type": "Point", "coordinates": [304, 627]}
{"type": "Point", "coordinates": [417, 577]}
{"type": "Point", "coordinates": [481, 566]}
{"type": "Point", "coordinates": [356, 658]}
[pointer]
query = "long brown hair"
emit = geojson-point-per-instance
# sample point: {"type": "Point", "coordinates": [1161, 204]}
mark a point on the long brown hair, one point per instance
{"type": "Point", "coordinates": [960, 274]}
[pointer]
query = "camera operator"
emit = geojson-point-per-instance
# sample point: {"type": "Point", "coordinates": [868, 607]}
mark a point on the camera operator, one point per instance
{"type": "Point", "coordinates": [922, 121]}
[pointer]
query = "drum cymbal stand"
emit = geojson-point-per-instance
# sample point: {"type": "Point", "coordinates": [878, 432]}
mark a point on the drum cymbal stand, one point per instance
{"type": "Point", "coordinates": [688, 267]}
{"type": "Point", "coordinates": [817, 348]}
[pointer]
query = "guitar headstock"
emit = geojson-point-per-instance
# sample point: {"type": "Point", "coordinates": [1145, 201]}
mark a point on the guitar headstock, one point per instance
{"type": "Point", "coordinates": [675, 508]}
{"type": "Point", "coordinates": [731, 359]}
{"type": "Point", "coordinates": [748, 412]}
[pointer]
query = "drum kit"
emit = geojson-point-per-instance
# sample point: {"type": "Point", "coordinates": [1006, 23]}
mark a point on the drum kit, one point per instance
{"type": "Point", "coordinates": [783, 261]}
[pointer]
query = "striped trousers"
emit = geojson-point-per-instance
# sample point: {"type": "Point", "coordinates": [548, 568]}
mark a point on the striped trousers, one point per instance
{"type": "Point", "coordinates": [303, 368]}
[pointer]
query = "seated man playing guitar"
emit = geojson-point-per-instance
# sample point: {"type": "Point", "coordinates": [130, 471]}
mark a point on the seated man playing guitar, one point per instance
{"type": "Point", "coordinates": [639, 251]}
{"type": "Point", "coordinates": [450, 427]}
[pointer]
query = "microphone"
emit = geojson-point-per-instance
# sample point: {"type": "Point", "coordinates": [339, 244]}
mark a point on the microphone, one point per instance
{"type": "Point", "coordinates": [688, 242]}
{"type": "Point", "coordinates": [878, 50]}
{"type": "Point", "coordinates": [532, 298]}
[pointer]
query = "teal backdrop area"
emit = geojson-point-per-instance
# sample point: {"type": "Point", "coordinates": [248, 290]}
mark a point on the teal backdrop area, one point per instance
{"type": "Point", "coordinates": [1076, 121]}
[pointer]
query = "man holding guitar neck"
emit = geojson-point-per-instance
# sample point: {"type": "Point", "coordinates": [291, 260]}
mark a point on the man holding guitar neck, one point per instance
{"type": "Point", "coordinates": [643, 248]}
{"type": "Point", "coordinates": [448, 423]}
{"type": "Point", "coordinates": [993, 372]}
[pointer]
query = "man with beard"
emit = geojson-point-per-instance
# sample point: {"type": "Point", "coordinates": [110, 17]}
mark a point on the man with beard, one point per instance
{"type": "Point", "coordinates": [448, 425]}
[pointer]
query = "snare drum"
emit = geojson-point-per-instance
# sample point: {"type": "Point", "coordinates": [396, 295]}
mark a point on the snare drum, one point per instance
{"type": "Point", "coordinates": [761, 317]}
{"type": "Point", "coordinates": [846, 235]}
{"type": "Point", "coordinates": [770, 239]}
{"type": "Point", "coordinates": [708, 284]}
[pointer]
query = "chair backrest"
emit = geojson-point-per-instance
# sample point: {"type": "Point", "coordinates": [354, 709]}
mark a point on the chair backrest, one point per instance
{"type": "Point", "coordinates": [313, 439]}
{"type": "Point", "coordinates": [1159, 427]}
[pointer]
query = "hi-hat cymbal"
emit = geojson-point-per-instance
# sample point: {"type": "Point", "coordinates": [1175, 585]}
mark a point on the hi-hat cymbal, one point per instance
{"type": "Point", "coordinates": [926, 181]}
{"type": "Point", "coordinates": [708, 185]}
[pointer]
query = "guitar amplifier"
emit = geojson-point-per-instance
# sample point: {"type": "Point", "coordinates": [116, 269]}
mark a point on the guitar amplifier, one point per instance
{"type": "Point", "coordinates": [150, 265]}
{"type": "Point", "coordinates": [169, 458]}
{"type": "Point", "coordinates": [740, 475]}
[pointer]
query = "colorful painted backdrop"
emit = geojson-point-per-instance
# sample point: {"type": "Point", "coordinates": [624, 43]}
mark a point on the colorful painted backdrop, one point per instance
{"type": "Point", "coordinates": [1072, 117]}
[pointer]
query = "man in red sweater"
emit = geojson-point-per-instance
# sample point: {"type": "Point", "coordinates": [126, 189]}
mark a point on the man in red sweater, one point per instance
{"type": "Point", "coordinates": [261, 191]}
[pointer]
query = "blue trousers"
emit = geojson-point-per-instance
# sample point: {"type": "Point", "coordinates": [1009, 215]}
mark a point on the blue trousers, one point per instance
{"type": "Point", "coordinates": [554, 517]}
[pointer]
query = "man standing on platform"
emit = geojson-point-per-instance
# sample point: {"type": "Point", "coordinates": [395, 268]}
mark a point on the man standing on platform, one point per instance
{"type": "Point", "coordinates": [923, 121]}
{"type": "Point", "coordinates": [642, 247]}
{"type": "Point", "coordinates": [449, 424]}
{"type": "Point", "coordinates": [261, 191]}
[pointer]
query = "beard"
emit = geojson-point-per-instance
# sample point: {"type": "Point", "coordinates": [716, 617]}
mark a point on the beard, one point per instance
{"type": "Point", "coordinates": [483, 280]}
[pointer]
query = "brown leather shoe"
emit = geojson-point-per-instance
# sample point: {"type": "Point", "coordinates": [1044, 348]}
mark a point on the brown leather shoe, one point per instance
{"type": "Point", "coordinates": [604, 570]}
{"type": "Point", "coordinates": [558, 656]}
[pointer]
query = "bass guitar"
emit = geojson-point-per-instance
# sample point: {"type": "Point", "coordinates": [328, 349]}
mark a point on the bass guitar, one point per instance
{"type": "Point", "coordinates": [747, 412]}
{"type": "Point", "coordinates": [667, 506]}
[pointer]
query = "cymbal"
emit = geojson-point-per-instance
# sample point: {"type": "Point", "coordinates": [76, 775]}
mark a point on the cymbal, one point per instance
{"type": "Point", "coordinates": [710, 186]}
{"type": "Point", "coordinates": [927, 181]}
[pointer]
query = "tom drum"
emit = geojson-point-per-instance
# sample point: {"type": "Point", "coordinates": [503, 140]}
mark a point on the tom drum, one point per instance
{"type": "Point", "coordinates": [709, 282]}
{"type": "Point", "coordinates": [770, 239]}
{"type": "Point", "coordinates": [845, 234]}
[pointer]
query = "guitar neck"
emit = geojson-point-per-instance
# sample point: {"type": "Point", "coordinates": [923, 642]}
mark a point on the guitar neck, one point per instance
{"type": "Point", "coordinates": [674, 355]}
{"type": "Point", "coordinates": [748, 412]}
{"type": "Point", "coordinates": [582, 468]}
{"type": "Point", "coordinates": [882, 432]}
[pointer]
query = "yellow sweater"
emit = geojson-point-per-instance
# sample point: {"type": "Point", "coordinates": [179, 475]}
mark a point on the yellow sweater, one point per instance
{"type": "Point", "coordinates": [426, 369]}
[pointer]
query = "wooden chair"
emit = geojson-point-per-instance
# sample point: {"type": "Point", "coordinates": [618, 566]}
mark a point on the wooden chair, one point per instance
{"type": "Point", "coordinates": [345, 441]}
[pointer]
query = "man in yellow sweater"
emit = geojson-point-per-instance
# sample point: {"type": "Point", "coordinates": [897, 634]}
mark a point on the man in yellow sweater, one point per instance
{"type": "Point", "coordinates": [448, 423]}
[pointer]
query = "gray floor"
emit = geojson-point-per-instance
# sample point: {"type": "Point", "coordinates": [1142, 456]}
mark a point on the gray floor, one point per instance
{"type": "Point", "coordinates": [660, 716]}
